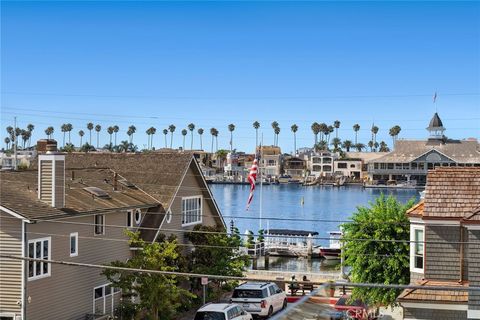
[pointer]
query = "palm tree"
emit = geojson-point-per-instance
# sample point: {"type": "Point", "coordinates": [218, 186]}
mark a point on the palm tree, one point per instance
{"type": "Point", "coordinates": [360, 147]}
{"type": "Point", "coordinates": [347, 144]}
{"type": "Point", "coordinates": [212, 132]}
{"type": "Point", "coordinates": [132, 130]}
{"type": "Point", "coordinates": [321, 145]}
{"type": "Point", "coordinates": [231, 128]}
{"type": "Point", "coordinates": [394, 132]}
{"type": "Point", "coordinates": [277, 132]}
{"type": "Point", "coordinates": [25, 136]}
{"type": "Point", "coordinates": [328, 131]}
{"type": "Point", "coordinates": [374, 135]}
{"type": "Point", "coordinates": [124, 146]}
{"type": "Point", "coordinates": [383, 147]}
{"type": "Point", "coordinates": [148, 132]}
{"type": "Point", "coordinates": [115, 130]}
{"type": "Point", "coordinates": [90, 128]}
{"type": "Point", "coordinates": [30, 128]}
{"type": "Point", "coordinates": [336, 143]}
{"type": "Point", "coordinates": [200, 133]}
{"type": "Point", "coordinates": [48, 132]}
{"type": "Point", "coordinates": [153, 130]}
{"type": "Point", "coordinates": [184, 133]}
{"type": "Point", "coordinates": [63, 128]}
{"type": "Point", "coordinates": [356, 128]}
{"type": "Point", "coordinates": [256, 126]}
{"type": "Point", "coordinates": [171, 128]}
{"type": "Point", "coordinates": [370, 145]}
{"type": "Point", "coordinates": [294, 129]}
{"type": "Point", "coordinates": [69, 130]}
{"type": "Point", "coordinates": [316, 130]}
{"type": "Point", "coordinates": [216, 138]}
{"type": "Point", "coordinates": [323, 131]}
{"type": "Point", "coordinates": [110, 132]}
{"type": "Point", "coordinates": [165, 132]}
{"type": "Point", "coordinates": [274, 127]}
{"type": "Point", "coordinates": [81, 134]}
{"type": "Point", "coordinates": [11, 133]}
{"type": "Point", "coordinates": [97, 129]}
{"type": "Point", "coordinates": [7, 142]}
{"type": "Point", "coordinates": [336, 125]}
{"type": "Point", "coordinates": [191, 127]}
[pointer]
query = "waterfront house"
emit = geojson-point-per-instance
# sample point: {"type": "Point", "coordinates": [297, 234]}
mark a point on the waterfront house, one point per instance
{"type": "Point", "coordinates": [351, 168]}
{"type": "Point", "coordinates": [294, 167]}
{"type": "Point", "coordinates": [321, 164]}
{"type": "Point", "coordinates": [233, 170]}
{"type": "Point", "coordinates": [75, 208]}
{"type": "Point", "coordinates": [270, 161]}
{"type": "Point", "coordinates": [24, 157]}
{"type": "Point", "coordinates": [411, 159]}
{"type": "Point", "coordinates": [445, 247]}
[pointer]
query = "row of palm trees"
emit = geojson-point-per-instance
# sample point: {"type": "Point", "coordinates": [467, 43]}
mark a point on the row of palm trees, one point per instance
{"type": "Point", "coordinates": [322, 136]}
{"type": "Point", "coordinates": [13, 135]}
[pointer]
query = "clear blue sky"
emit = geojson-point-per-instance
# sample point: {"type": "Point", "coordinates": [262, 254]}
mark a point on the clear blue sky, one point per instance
{"type": "Point", "coordinates": [214, 63]}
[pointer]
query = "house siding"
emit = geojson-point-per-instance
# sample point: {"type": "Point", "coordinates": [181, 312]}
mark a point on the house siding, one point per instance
{"type": "Point", "coordinates": [10, 270]}
{"type": "Point", "coordinates": [68, 292]}
{"type": "Point", "coordinates": [417, 313]}
{"type": "Point", "coordinates": [474, 268]}
{"type": "Point", "coordinates": [442, 260]}
{"type": "Point", "coordinates": [415, 276]}
{"type": "Point", "coordinates": [192, 185]}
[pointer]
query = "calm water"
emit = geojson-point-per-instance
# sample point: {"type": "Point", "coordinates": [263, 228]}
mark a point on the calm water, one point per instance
{"type": "Point", "coordinates": [284, 201]}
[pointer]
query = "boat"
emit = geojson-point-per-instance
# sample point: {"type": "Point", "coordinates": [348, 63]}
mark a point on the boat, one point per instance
{"type": "Point", "coordinates": [284, 179]}
{"type": "Point", "coordinates": [289, 243]}
{"type": "Point", "coordinates": [334, 250]}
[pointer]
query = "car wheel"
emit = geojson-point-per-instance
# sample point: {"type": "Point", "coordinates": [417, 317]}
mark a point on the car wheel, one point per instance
{"type": "Point", "coordinates": [270, 312]}
{"type": "Point", "coordinates": [284, 304]}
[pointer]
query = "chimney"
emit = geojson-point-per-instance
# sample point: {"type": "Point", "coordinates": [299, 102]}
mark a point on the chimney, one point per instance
{"type": "Point", "coordinates": [51, 175]}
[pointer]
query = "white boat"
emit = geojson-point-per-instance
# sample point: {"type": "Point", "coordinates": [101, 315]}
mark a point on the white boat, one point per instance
{"type": "Point", "coordinates": [333, 251]}
{"type": "Point", "coordinates": [290, 243]}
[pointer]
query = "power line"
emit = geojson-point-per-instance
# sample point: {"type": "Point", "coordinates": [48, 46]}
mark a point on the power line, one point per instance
{"type": "Point", "coordinates": [222, 277]}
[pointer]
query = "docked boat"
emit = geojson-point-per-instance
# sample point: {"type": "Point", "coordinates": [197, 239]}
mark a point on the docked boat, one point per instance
{"type": "Point", "coordinates": [333, 251]}
{"type": "Point", "coordinates": [289, 243]}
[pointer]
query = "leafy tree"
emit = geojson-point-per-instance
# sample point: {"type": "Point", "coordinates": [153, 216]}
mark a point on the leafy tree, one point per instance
{"type": "Point", "coordinates": [294, 129]}
{"type": "Point", "coordinates": [336, 143]}
{"type": "Point", "coordinates": [384, 147]}
{"type": "Point", "coordinates": [200, 133]}
{"type": "Point", "coordinates": [277, 132]}
{"type": "Point", "coordinates": [378, 262]}
{"type": "Point", "coordinates": [110, 132]}
{"type": "Point", "coordinates": [90, 128]}
{"type": "Point", "coordinates": [98, 128]}
{"type": "Point", "coordinates": [191, 127]}
{"type": "Point", "coordinates": [7, 142]}
{"type": "Point", "coordinates": [81, 134]}
{"type": "Point", "coordinates": [184, 133]}
{"type": "Point", "coordinates": [231, 128]}
{"type": "Point", "coordinates": [316, 130]}
{"type": "Point", "coordinates": [356, 128]}
{"type": "Point", "coordinates": [131, 130]}
{"type": "Point", "coordinates": [115, 131]}
{"type": "Point", "coordinates": [216, 252]}
{"type": "Point", "coordinates": [336, 125]}
{"type": "Point", "coordinates": [165, 133]}
{"type": "Point", "coordinates": [347, 144]}
{"type": "Point", "coordinates": [256, 126]}
{"type": "Point", "coordinates": [159, 294]}
{"type": "Point", "coordinates": [171, 128]}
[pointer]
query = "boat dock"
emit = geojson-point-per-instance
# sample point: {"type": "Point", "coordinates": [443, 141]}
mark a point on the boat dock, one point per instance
{"type": "Point", "coordinates": [321, 276]}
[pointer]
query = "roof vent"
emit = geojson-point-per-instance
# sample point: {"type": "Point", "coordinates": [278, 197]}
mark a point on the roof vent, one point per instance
{"type": "Point", "coordinates": [97, 192]}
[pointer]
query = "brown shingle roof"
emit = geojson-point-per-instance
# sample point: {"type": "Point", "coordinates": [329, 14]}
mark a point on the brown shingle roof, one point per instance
{"type": "Point", "coordinates": [435, 296]}
{"type": "Point", "coordinates": [416, 210]}
{"type": "Point", "coordinates": [452, 192]}
{"type": "Point", "coordinates": [158, 174]}
{"type": "Point", "coordinates": [18, 193]}
{"type": "Point", "coordinates": [462, 151]}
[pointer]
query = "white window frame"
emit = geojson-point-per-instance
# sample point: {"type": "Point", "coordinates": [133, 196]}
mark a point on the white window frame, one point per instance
{"type": "Point", "coordinates": [74, 235]}
{"type": "Point", "coordinates": [95, 225]}
{"type": "Point", "coordinates": [49, 257]}
{"type": "Point", "coordinates": [130, 219]}
{"type": "Point", "coordinates": [139, 212]}
{"type": "Point", "coordinates": [184, 214]}
{"type": "Point", "coordinates": [413, 228]}
{"type": "Point", "coordinates": [105, 296]}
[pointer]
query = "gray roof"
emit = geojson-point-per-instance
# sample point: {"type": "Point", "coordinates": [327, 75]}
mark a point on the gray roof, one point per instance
{"type": "Point", "coordinates": [461, 151]}
{"type": "Point", "coordinates": [436, 122]}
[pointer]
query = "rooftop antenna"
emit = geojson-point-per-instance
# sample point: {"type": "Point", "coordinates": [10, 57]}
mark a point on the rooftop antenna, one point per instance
{"type": "Point", "coordinates": [15, 166]}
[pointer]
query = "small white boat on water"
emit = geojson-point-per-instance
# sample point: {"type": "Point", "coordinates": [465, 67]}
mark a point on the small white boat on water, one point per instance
{"type": "Point", "coordinates": [289, 243]}
{"type": "Point", "coordinates": [334, 250]}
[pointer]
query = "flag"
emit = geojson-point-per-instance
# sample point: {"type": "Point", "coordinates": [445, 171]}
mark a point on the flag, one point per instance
{"type": "Point", "coordinates": [252, 178]}
{"type": "Point", "coordinates": [435, 97]}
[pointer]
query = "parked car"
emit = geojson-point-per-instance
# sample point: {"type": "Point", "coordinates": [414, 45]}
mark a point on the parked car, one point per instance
{"type": "Point", "coordinates": [222, 311]}
{"type": "Point", "coordinates": [260, 298]}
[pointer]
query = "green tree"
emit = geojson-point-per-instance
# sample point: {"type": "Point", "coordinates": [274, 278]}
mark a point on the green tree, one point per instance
{"type": "Point", "coordinates": [184, 133]}
{"type": "Point", "coordinates": [30, 128]}
{"type": "Point", "coordinates": [356, 128]}
{"type": "Point", "coordinates": [171, 128]}
{"type": "Point", "coordinates": [231, 128]}
{"type": "Point", "coordinates": [316, 130]}
{"type": "Point", "coordinates": [336, 143]}
{"type": "Point", "coordinates": [110, 132]}
{"type": "Point", "coordinates": [277, 132]}
{"type": "Point", "coordinates": [336, 125]}
{"type": "Point", "coordinates": [385, 262]}
{"type": "Point", "coordinates": [81, 134]}
{"type": "Point", "coordinates": [165, 133]}
{"type": "Point", "coordinates": [216, 252]}
{"type": "Point", "coordinates": [7, 142]}
{"type": "Point", "coordinates": [90, 128]}
{"type": "Point", "coordinates": [159, 294]}
{"type": "Point", "coordinates": [294, 129]}
{"type": "Point", "coordinates": [256, 126]}
{"type": "Point", "coordinates": [384, 147]}
{"type": "Point", "coordinates": [98, 128]}
{"type": "Point", "coordinates": [132, 129]}
{"type": "Point", "coordinates": [115, 131]}
{"type": "Point", "coordinates": [200, 133]}
{"type": "Point", "coordinates": [191, 127]}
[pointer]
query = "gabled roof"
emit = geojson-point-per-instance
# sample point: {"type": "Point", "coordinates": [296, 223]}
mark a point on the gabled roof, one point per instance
{"type": "Point", "coordinates": [452, 192]}
{"type": "Point", "coordinates": [416, 210]}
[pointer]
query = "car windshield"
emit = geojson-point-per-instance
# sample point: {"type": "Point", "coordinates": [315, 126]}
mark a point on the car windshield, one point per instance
{"type": "Point", "coordinates": [238, 293]}
{"type": "Point", "coordinates": [209, 315]}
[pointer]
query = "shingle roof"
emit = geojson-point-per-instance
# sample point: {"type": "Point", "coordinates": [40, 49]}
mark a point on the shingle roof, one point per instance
{"type": "Point", "coordinates": [18, 192]}
{"type": "Point", "coordinates": [158, 174]}
{"type": "Point", "coordinates": [436, 122]}
{"type": "Point", "coordinates": [443, 296]}
{"type": "Point", "coordinates": [461, 151]}
{"type": "Point", "coordinates": [416, 210]}
{"type": "Point", "coordinates": [452, 192]}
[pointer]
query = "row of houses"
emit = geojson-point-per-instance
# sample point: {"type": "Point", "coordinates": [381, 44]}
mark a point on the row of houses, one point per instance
{"type": "Point", "coordinates": [74, 208]}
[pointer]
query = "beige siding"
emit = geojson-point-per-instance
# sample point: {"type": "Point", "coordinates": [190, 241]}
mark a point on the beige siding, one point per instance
{"type": "Point", "coordinates": [59, 184]}
{"type": "Point", "coordinates": [10, 270]}
{"type": "Point", "coordinates": [68, 292]}
{"type": "Point", "coordinates": [46, 180]}
{"type": "Point", "coordinates": [192, 185]}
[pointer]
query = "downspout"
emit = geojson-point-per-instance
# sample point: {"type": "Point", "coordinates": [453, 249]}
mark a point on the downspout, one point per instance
{"type": "Point", "coordinates": [24, 270]}
{"type": "Point", "coordinates": [461, 253]}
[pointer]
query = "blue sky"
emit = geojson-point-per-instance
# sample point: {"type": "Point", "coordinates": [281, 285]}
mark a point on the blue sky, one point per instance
{"type": "Point", "coordinates": [215, 63]}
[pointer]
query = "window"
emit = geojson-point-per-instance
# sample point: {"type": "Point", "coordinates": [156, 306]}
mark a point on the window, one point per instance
{"type": "Point", "coordinates": [99, 224]}
{"type": "Point", "coordinates": [191, 210]}
{"type": "Point", "coordinates": [39, 249]}
{"type": "Point", "coordinates": [342, 165]}
{"type": "Point", "coordinates": [74, 244]}
{"type": "Point", "coordinates": [272, 290]}
{"type": "Point", "coordinates": [417, 248]}
{"type": "Point", "coordinates": [130, 218]}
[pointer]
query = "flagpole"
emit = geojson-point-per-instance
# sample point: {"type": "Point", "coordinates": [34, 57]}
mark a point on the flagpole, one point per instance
{"type": "Point", "coordinates": [261, 183]}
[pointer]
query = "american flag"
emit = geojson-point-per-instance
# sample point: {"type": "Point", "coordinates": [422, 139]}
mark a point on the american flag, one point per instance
{"type": "Point", "coordinates": [435, 97]}
{"type": "Point", "coordinates": [252, 178]}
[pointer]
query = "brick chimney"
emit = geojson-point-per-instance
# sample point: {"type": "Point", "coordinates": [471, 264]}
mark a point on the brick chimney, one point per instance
{"type": "Point", "coordinates": [51, 175]}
